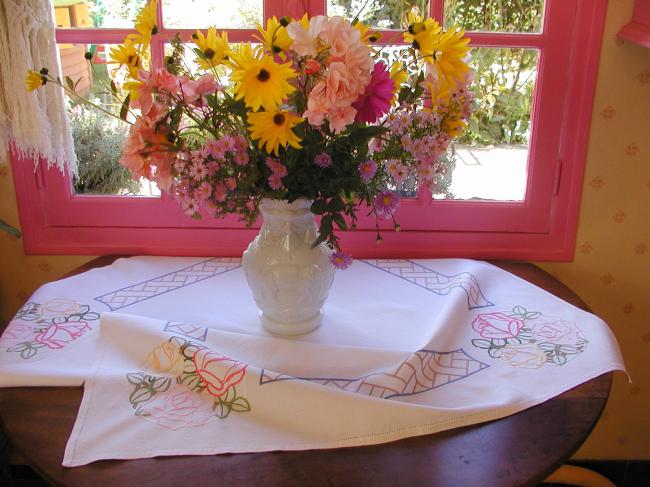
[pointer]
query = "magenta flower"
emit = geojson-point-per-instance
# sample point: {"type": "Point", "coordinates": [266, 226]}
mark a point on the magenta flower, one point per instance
{"type": "Point", "coordinates": [375, 100]}
{"type": "Point", "coordinates": [368, 169]}
{"type": "Point", "coordinates": [341, 260]}
{"type": "Point", "coordinates": [386, 203]}
{"type": "Point", "coordinates": [323, 160]}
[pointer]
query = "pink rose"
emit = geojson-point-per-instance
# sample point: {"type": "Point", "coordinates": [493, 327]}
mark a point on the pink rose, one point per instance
{"type": "Point", "coordinates": [526, 356]}
{"type": "Point", "coordinates": [497, 325]}
{"type": "Point", "coordinates": [16, 331]}
{"type": "Point", "coordinates": [58, 335]}
{"type": "Point", "coordinates": [179, 408]}
{"type": "Point", "coordinates": [220, 373]}
{"type": "Point", "coordinates": [557, 331]}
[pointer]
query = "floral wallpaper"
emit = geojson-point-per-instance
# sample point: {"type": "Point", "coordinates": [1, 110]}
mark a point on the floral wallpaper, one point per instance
{"type": "Point", "coordinates": [611, 266]}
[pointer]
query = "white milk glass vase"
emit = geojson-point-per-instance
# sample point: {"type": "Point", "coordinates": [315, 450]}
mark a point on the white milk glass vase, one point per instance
{"type": "Point", "coordinates": [289, 279]}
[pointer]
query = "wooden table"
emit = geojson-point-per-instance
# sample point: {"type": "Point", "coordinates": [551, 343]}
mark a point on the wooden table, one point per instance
{"type": "Point", "coordinates": [519, 450]}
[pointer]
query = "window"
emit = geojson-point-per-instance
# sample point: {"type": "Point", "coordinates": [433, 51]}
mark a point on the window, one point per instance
{"type": "Point", "coordinates": [514, 183]}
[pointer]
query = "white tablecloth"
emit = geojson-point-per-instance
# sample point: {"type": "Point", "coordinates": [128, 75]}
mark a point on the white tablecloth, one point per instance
{"type": "Point", "coordinates": [175, 361]}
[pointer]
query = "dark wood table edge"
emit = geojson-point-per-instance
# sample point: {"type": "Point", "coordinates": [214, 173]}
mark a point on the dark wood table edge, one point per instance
{"type": "Point", "coordinates": [602, 382]}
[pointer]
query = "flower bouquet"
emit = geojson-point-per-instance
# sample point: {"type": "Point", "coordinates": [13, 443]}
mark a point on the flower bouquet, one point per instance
{"type": "Point", "coordinates": [309, 121]}
{"type": "Point", "coordinates": [309, 111]}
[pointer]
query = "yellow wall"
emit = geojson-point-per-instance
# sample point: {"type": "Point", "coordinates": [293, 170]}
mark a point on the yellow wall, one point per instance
{"type": "Point", "coordinates": [612, 260]}
{"type": "Point", "coordinates": [611, 266]}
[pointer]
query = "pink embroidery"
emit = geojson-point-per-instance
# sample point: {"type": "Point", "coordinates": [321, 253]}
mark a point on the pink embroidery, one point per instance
{"type": "Point", "coordinates": [58, 335]}
{"type": "Point", "coordinates": [497, 325]}
{"type": "Point", "coordinates": [220, 373]}
{"type": "Point", "coordinates": [178, 407]}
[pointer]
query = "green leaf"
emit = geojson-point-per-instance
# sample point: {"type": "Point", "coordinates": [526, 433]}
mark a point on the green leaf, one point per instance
{"type": "Point", "coordinates": [113, 88]}
{"type": "Point", "coordinates": [318, 207]}
{"type": "Point", "coordinates": [124, 111]}
{"type": "Point", "coordinates": [9, 229]}
{"type": "Point", "coordinates": [135, 378]}
{"type": "Point", "coordinates": [240, 405]}
{"type": "Point", "coordinates": [481, 343]}
{"type": "Point", "coordinates": [141, 394]}
{"type": "Point", "coordinates": [160, 384]}
{"type": "Point", "coordinates": [340, 221]}
{"type": "Point", "coordinates": [69, 82]}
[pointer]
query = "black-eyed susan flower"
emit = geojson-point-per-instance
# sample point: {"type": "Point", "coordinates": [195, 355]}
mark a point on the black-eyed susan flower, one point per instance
{"type": "Point", "coordinates": [128, 55]}
{"type": "Point", "coordinates": [274, 38]}
{"type": "Point", "coordinates": [34, 80]}
{"type": "Point", "coordinates": [448, 55]}
{"type": "Point", "coordinates": [367, 36]}
{"type": "Point", "coordinates": [259, 80]}
{"type": "Point", "coordinates": [214, 47]}
{"type": "Point", "coordinates": [274, 128]}
{"type": "Point", "coordinates": [145, 23]}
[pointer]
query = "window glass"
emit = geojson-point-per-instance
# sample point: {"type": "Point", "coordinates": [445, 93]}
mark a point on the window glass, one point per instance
{"type": "Point", "coordinates": [98, 137]}
{"type": "Point", "coordinates": [495, 16]}
{"type": "Point", "coordinates": [86, 14]}
{"type": "Point", "coordinates": [490, 161]}
{"type": "Point", "coordinates": [380, 14]}
{"type": "Point", "coordinates": [201, 14]}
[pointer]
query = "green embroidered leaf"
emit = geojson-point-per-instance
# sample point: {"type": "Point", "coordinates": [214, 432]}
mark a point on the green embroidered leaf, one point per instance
{"type": "Point", "coordinates": [28, 353]}
{"type": "Point", "coordinates": [240, 405]}
{"type": "Point", "coordinates": [495, 352]}
{"type": "Point", "coordinates": [519, 311]}
{"type": "Point", "coordinates": [135, 378]}
{"type": "Point", "coordinates": [481, 343]}
{"type": "Point", "coordinates": [159, 384]}
{"type": "Point", "coordinates": [568, 349]}
{"type": "Point", "coordinates": [231, 394]}
{"type": "Point", "coordinates": [559, 359]}
{"type": "Point", "coordinates": [547, 347]}
{"type": "Point", "coordinates": [221, 409]}
{"type": "Point", "coordinates": [141, 394]}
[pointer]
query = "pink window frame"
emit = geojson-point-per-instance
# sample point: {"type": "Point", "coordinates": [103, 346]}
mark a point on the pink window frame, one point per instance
{"type": "Point", "coordinates": [543, 227]}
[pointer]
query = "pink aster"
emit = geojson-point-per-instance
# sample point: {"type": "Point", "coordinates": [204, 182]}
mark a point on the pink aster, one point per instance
{"type": "Point", "coordinates": [220, 192]}
{"type": "Point", "coordinates": [367, 169]}
{"type": "Point", "coordinates": [198, 171]}
{"type": "Point", "coordinates": [275, 181]}
{"type": "Point", "coordinates": [375, 100]}
{"type": "Point", "coordinates": [323, 160]}
{"type": "Point", "coordinates": [341, 260]}
{"type": "Point", "coordinates": [386, 203]}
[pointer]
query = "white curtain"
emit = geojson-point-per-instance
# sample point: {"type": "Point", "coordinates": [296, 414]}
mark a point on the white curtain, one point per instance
{"type": "Point", "coordinates": [36, 123]}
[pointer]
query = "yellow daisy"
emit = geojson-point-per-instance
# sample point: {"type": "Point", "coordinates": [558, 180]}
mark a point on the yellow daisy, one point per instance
{"type": "Point", "coordinates": [275, 38]}
{"type": "Point", "coordinates": [215, 48]}
{"type": "Point", "coordinates": [259, 80]}
{"type": "Point", "coordinates": [367, 37]}
{"type": "Point", "coordinates": [399, 75]}
{"type": "Point", "coordinates": [448, 54]}
{"type": "Point", "coordinates": [34, 80]}
{"type": "Point", "coordinates": [145, 23]}
{"type": "Point", "coordinates": [438, 92]}
{"type": "Point", "coordinates": [128, 55]}
{"type": "Point", "coordinates": [273, 128]}
{"type": "Point", "coordinates": [422, 32]}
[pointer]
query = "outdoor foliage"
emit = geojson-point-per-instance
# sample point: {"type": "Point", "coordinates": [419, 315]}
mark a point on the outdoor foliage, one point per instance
{"type": "Point", "coordinates": [505, 78]}
{"type": "Point", "coordinates": [98, 142]}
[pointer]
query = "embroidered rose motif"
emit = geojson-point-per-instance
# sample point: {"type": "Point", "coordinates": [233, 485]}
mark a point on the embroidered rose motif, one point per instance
{"type": "Point", "coordinates": [58, 307]}
{"type": "Point", "coordinates": [59, 334]}
{"type": "Point", "coordinates": [219, 372]}
{"type": "Point", "coordinates": [555, 331]}
{"type": "Point", "coordinates": [166, 358]}
{"type": "Point", "coordinates": [15, 332]}
{"type": "Point", "coordinates": [526, 356]}
{"type": "Point", "coordinates": [497, 325]}
{"type": "Point", "coordinates": [179, 408]}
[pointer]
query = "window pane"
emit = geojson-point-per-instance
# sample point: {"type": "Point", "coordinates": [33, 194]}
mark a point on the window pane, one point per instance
{"type": "Point", "coordinates": [380, 14]}
{"type": "Point", "coordinates": [489, 161]}
{"type": "Point", "coordinates": [98, 137]}
{"type": "Point", "coordinates": [501, 16]}
{"type": "Point", "coordinates": [84, 14]}
{"type": "Point", "coordinates": [201, 14]}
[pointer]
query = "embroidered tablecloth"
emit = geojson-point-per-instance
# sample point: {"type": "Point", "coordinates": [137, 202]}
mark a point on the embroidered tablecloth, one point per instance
{"type": "Point", "coordinates": [175, 361]}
